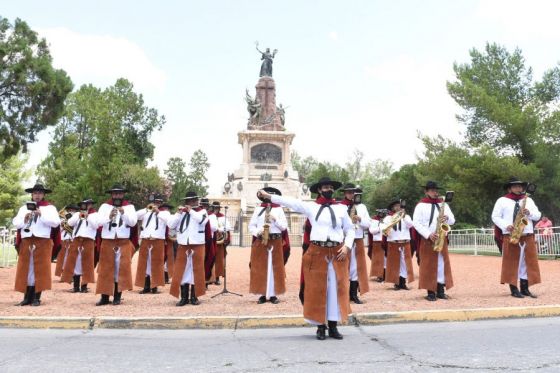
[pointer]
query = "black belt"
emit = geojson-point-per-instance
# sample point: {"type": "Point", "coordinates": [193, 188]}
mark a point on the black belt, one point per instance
{"type": "Point", "coordinates": [325, 243]}
{"type": "Point", "coordinates": [272, 236]}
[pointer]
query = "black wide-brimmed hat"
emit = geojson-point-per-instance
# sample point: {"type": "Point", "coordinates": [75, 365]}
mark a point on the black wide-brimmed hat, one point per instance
{"type": "Point", "coordinates": [71, 207]}
{"type": "Point", "coordinates": [324, 181]}
{"type": "Point", "coordinates": [270, 190]}
{"type": "Point", "coordinates": [393, 203]}
{"type": "Point", "coordinates": [216, 204]}
{"type": "Point", "coordinates": [513, 180]}
{"type": "Point", "coordinates": [205, 201]}
{"type": "Point", "coordinates": [166, 205]}
{"type": "Point", "coordinates": [117, 188]}
{"type": "Point", "coordinates": [431, 185]}
{"type": "Point", "coordinates": [159, 197]}
{"type": "Point", "coordinates": [190, 195]}
{"type": "Point", "coordinates": [87, 200]}
{"type": "Point", "coordinates": [349, 187]}
{"type": "Point", "coordinates": [38, 187]}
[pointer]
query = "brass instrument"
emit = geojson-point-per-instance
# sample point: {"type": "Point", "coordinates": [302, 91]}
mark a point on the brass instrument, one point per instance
{"type": "Point", "coordinates": [354, 216]}
{"type": "Point", "coordinates": [31, 206]}
{"type": "Point", "coordinates": [83, 215]}
{"type": "Point", "coordinates": [395, 219]}
{"type": "Point", "coordinates": [150, 207]}
{"type": "Point", "coordinates": [266, 226]}
{"type": "Point", "coordinates": [116, 204]}
{"type": "Point", "coordinates": [521, 221]}
{"type": "Point", "coordinates": [172, 235]}
{"type": "Point", "coordinates": [220, 234]}
{"type": "Point", "coordinates": [64, 216]}
{"type": "Point", "coordinates": [442, 227]}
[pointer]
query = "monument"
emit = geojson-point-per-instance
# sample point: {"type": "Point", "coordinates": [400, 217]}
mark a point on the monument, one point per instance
{"type": "Point", "coordinates": [266, 146]}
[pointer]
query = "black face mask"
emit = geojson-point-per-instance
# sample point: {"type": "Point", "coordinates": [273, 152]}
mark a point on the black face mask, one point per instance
{"type": "Point", "coordinates": [327, 194]}
{"type": "Point", "coordinates": [266, 200]}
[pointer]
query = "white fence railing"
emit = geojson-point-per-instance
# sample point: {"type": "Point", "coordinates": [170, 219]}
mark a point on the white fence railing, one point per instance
{"type": "Point", "coordinates": [8, 255]}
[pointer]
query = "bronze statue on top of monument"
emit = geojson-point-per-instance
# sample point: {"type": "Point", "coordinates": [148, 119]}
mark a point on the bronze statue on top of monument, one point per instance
{"type": "Point", "coordinates": [266, 57]}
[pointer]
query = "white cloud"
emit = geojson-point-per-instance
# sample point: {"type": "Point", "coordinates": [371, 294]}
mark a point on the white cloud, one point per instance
{"type": "Point", "coordinates": [102, 59]}
{"type": "Point", "coordinates": [333, 35]}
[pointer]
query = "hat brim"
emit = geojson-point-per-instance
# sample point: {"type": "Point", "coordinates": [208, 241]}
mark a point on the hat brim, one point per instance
{"type": "Point", "coordinates": [116, 191]}
{"type": "Point", "coordinates": [315, 187]}
{"type": "Point", "coordinates": [44, 190]}
{"type": "Point", "coordinates": [188, 198]}
{"type": "Point", "coordinates": [522, 183]}
{"type": "Point", "coordinates": [428, 187]}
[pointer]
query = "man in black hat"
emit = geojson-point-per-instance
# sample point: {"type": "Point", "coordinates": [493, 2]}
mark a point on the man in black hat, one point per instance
{"type": "Point", "coordinates": [79, 266]}
{"type": "Point", "coordinates": [222, 238]}
{"type": "Point", "coordinates": [151, 256]}
{"type": "Point", "coordinates": [268, 274]}
{"type": "Point", "coordinates": [118, 219]}
{"type": "Point", "coordinates": [35, 222]}
{"type": "Point", "coordinates": [66, 238]}
{"type": "Point", "coordinates": [188, 274]}
{"type": "Point", "coordinates": [358, 270]}
{"type": "Point", "coordinates": [396, 226]}
{"type": "Point", "coordinates": [435, 267]}
{"type": "Point", "coordinates": [210, 244]}
{"type": "Point", "coordinates": [377, 246]}
{"type": "Point", "coordinates": [520, 259]}
{"type": "Point", "coordinates": [325, 264]}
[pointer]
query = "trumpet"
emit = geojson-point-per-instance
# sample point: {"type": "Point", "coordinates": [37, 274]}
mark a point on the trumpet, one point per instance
{"type": "Point", "coordinates": [83, 215]}
{"type": "Point", "coordinates": [151, 207]}
{"type": "Point", "coordinates": [114, 218]}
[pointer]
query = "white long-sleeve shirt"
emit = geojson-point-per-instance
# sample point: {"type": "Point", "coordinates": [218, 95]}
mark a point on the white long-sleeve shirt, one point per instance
{"type": "Point", "coordinates": [88, 228]}
{"type": "Point", "coordinates": [421, 218]}
{"type": "Point", "coordinates": [277, 225]}
{"type": "Point", "coordinates": [124, 221]}
{"type": "Point", "coordinates": [399, 234]}
{"type": "Point", "coordinates": [194, 232]}
{"type": "Point", "coordinates": [213, 220]}
{"type": "Point", "coordinates": [160, 220]}
{"type": "Point", "coordinates": [42, 227]}
{"type": "Point", "coordinates": [375, 230]}
{"type": "Point", "coordinates": [322, 229]}
{"type": "Point", "coordinates": [502, 215]}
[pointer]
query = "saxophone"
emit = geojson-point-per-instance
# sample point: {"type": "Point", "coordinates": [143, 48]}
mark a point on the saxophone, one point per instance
{"type": "Point", "coordinates": [441, 229]}
{"type": "Point", "coordinates": [394, 221]}
{"type": "Point", "coordinates": [266, 226]}
{"type": "Point", "coordinates": [521, 220]}
{"type": "Point", "coordinates": [64, 216]}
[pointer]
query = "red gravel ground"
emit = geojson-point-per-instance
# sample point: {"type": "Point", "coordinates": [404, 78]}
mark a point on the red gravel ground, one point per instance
{"type": "Point", "coordinates": [476, 279]}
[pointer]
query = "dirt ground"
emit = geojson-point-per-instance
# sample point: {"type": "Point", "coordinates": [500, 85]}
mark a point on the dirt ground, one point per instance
{"type": "Point", "coordinates": [476, 285]}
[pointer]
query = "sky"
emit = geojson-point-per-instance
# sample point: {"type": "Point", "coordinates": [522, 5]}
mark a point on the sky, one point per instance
{"type": "Point", "coordinates": [367, 75]}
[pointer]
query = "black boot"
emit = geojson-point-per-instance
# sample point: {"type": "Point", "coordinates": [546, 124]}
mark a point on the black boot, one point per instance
{"type": "Point", "coordinates": [524, 285]}
{"type": "Point", "coordinates": [402, 283]}
{"type": "Point", "coordinates": [333, 330]}
{"type": "Point", "coordinates": [441, 291]}
{"type": "Point", "coordinates": [76, 288]}
{"type": "Point", "coordinates": [354, 292]}
{"type": "Point", "coordinates": [84, 288]}
{"type": "Point", "coordinates": [26, 298]}
{"type": "Point", "coordinates": [103, 301]}
{"type": "Point", "coordinates": [117, 295]}
{"type": "Point", "coordinates": [262, 299]}
{"type": "Point", "coordinates": [274, 300]}
{"type": "Point", "coordinates": [194, 299]}
{"type": "Point", "coordinates": [515, 291]}
{"type": "Point", "coordinates": [36, 300]}
{"type": "Point", "coordinates": [431, 296]}
{"type": "Point", "coordinates": [184, 296]}
{"type": "Point", "coordinates": [146, 289]}
{"type": "Point", "coordinates": [321, 335]}
{"type": "Point", "coordinates": [154, 290]}
{"type": "Point", "coordinates": [381, 279]}
{"type": "Point", "coordinates": [217, 282]}
{"type": "Point", "coordinates": [166, 276]}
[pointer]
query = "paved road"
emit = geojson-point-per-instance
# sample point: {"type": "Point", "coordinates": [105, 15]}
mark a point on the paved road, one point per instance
{"type": "Point", "coordinates": [505, 345]}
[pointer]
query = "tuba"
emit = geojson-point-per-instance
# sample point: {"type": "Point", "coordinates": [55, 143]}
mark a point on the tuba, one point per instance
{"type": "Point", "coordinates": [521, 221]}
{"type": "Point", "coordinates": [64, 216]}
{"type": "Point", "coordinates": [442, 228]}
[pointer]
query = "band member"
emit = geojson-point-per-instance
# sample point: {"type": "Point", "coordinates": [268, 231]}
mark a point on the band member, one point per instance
{"type": "Point", "coordinates": [305, 242]}
{"type": "Point", "coordinates": [65, 238]}
{"type": "Point", "coordinates": [151, 257]}
{"type": "Point", "coordinates": [118, 219]}
{"type": "Point", "coordinates": [35, 219]}
{"type": "Point", "coordinates": [170, 247]}
{"type": "Point", "coordinates": [325, 264]}
{"type": "Point", "coordinates": [222, 238]}
{"type": "Point", "coordinates": [268, 275]}
{"type": "Point", "coordinates": [210, 243]}
{"type": "Point", "coordinates": [435, 267]}
{"type": "Point", "coordinates": [358, 270]}
{"type": "Point", "coordinates": [396, 227]}
{"type": "Point", "coordinates": [188, 273]}
{"type": "Point", "coordinates": [519, 260]}
{"type": "Point", "coordinates": [80, 261]}
{"type": "Point", "coordinates": [378, 252]}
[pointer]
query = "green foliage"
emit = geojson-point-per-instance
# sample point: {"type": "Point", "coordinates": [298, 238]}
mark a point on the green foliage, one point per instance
{"type": "Point", "coordinates": [102, 138]}
{"type": "Point", "coordinates": [12, 174]}
{"type": "Point", "coordinates": [182, 180]}
{"type": "Point", "coordinates": [32, 92]}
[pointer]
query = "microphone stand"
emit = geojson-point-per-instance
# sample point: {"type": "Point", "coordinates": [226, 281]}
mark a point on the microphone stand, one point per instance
{"type": "Point", "coordinates": [225, 290]}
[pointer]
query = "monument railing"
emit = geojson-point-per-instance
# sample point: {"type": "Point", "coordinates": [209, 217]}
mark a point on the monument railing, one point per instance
{"type": "Point", "coordinates": [8, 254]}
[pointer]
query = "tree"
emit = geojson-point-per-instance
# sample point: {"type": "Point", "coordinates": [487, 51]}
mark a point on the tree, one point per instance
{"type": "Point", "coordinates": [304, 166]}
{"type": "Point", "coordinates": [176, 175]}
{"type": "Point", "coordinates": [12, 174]}
{"type": "Point", "coordinates": [102, 135]}
{"type": "Point", "coordinates": [199, 166]}
{"type": "Point", "coordinates": [183, 180]}
{"type": "Point", "coordinates": [32, 92]}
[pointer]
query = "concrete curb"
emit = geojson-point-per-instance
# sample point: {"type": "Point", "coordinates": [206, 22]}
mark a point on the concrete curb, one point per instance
{"type": "Point", "coordinates": [279, 321]}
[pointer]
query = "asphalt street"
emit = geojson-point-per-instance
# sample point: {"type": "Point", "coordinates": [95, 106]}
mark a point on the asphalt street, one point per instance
{"type": "Point", "coordinates": [505, 345]}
